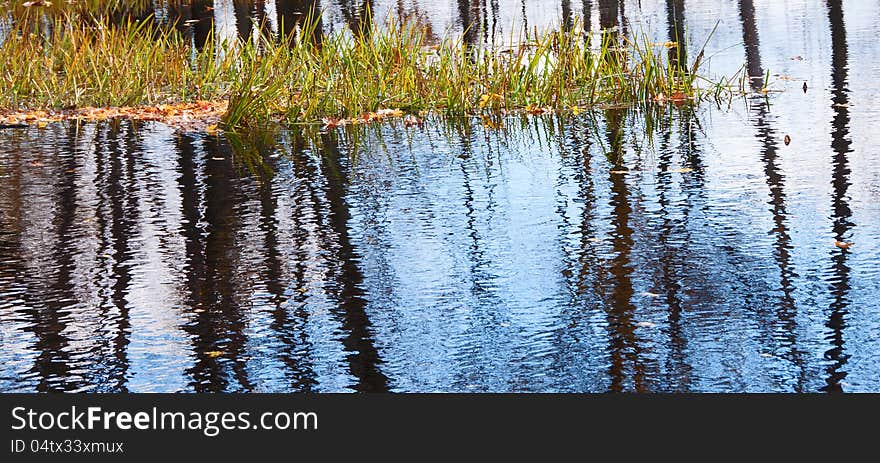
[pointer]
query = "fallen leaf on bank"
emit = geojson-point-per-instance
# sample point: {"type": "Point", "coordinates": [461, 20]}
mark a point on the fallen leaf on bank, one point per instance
{"type": "Point", "coordinates": [843, 244]}
{"type": "Point", "coordinates": [193, 115]}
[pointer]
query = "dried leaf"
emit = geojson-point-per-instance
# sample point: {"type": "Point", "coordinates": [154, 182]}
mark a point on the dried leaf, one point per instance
{"type": "Point", "coordinates": [491, 123]}
{"type": "Point", "coordinates": [412, 121]}
{"type": "Point", "coordinates": [199, 114]}
{"type": "Point", "coordinates": [389, 113]}
{"type": "Point", "coordinates": [535, 109]}
{"type": "Point", "coordinates": [330, 123]}
{"type": "Point", "coordinates": [843, 244]}
{"type": "Point", "coordinates": [489, 98]}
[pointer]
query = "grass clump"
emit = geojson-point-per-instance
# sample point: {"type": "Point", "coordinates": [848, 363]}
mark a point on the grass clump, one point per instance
{"type": "Point", "coordinates": [311, 76]}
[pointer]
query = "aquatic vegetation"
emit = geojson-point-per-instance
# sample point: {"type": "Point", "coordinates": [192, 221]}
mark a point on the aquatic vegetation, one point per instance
{"type": "Point", "coordinates": [347, 78]}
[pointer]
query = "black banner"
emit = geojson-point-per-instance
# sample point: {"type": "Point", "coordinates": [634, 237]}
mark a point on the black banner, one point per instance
{"type": "Point", "coordinates": [366, 427]}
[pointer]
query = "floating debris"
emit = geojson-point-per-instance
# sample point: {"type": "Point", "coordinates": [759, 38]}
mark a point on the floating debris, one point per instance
{"type": "Point", "coordinates": [198, 115]}
{"type": "Point", "coordinates": [412, 121]}
{"type": "Point", "coordinates": [536, 110]}
{"type": "Point", "coordinates": [786, 140]}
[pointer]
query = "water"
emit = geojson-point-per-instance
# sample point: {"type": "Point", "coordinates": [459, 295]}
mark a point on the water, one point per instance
{"type": "Point", "coordinates": [622, 250]}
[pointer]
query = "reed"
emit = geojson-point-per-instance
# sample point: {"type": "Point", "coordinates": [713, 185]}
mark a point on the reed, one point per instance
{"type": "Point", "coordinates": [72, 60]}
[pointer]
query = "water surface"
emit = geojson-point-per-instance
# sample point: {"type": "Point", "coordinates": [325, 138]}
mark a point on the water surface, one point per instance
{"type": "Point", "coordinates": [679, 249]}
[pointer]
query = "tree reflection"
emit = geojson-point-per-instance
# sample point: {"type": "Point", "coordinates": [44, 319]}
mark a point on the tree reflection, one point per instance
{"type": "Point", "coordinates": [786, 310]}
{"type": "Point", "coordinates": [840, 209]}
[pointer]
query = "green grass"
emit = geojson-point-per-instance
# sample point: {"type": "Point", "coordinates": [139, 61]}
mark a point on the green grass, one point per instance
{"type": "Point", "coordinates": [79, 60]}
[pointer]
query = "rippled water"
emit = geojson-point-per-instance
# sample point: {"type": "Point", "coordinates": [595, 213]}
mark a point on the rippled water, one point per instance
{"type": "Point", "coordinates": [670, 250]}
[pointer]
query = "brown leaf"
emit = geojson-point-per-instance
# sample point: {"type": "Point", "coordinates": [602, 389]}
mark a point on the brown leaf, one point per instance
{"type": "Point", "coordinates": [412, 121]}
{"type": "Point", "coordinates": [678, 97]}
{"type": "Point", "coordinates": [330, 123]}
